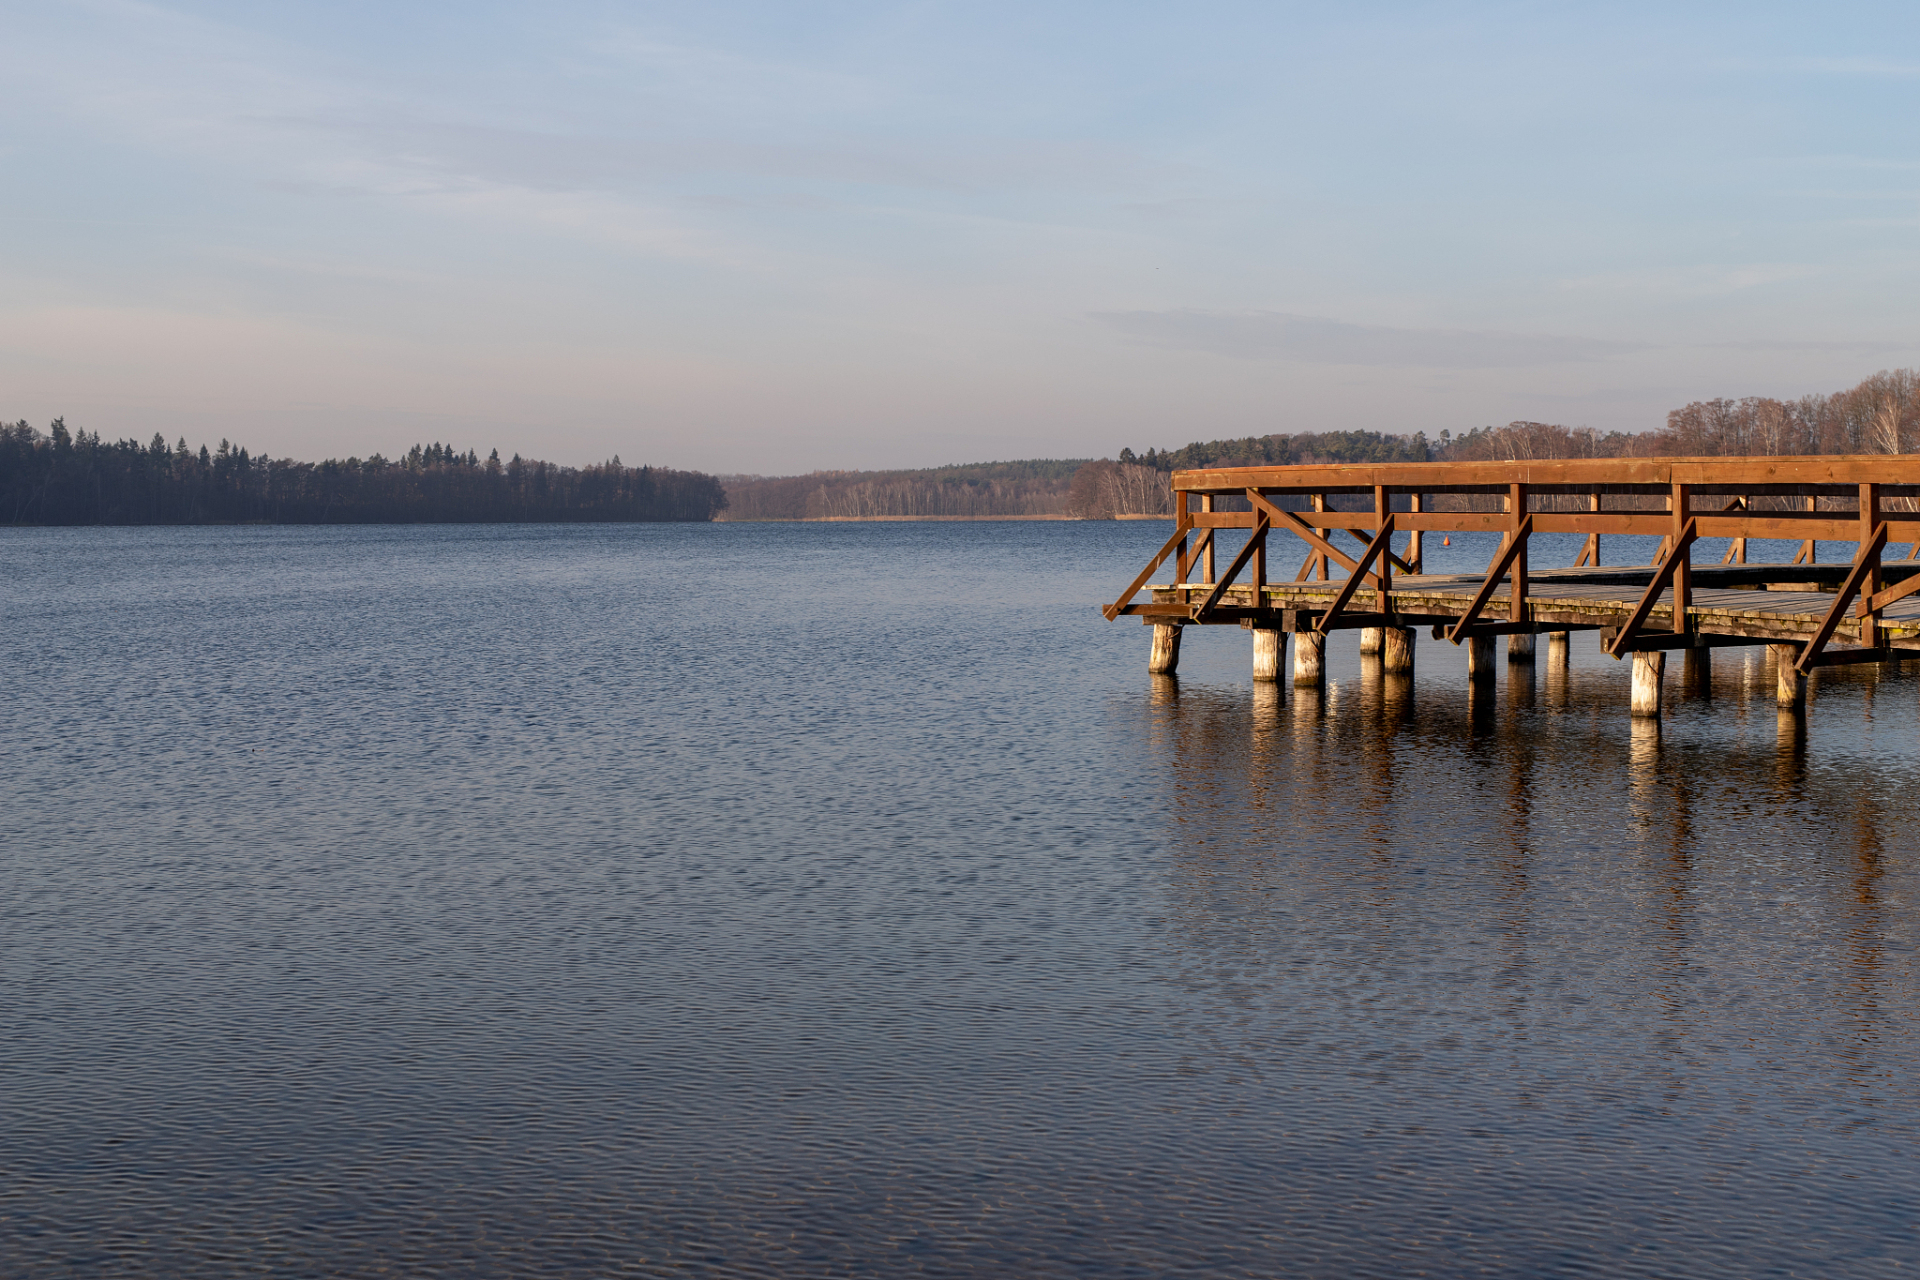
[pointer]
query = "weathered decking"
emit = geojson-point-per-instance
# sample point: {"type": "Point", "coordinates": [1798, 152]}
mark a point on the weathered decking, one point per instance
{"type": "Point", "coordinates": [1866, 610]}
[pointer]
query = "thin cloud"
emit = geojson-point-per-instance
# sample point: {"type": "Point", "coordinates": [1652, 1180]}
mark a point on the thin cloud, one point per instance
{"type": "Point", "coordinates": [1863, 347]}
{"type": "Point", "coordinates": [1694, 282]}
{"type": "Point", "coordinates": [437, 153]}
{"type": "Point", "coordinates": [737, 83]}
{"type": "Point", "coordinates": [1856, 68]}
{"type": "Point", "coordinates": [1277, 335]}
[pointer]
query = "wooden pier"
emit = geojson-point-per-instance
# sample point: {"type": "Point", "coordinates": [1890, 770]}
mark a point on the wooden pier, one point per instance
{"type": "Point", "coordinates": [1361, 530]}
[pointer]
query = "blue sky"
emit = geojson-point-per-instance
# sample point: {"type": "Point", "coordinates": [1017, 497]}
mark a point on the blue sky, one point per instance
{"type": "Point", "coordinates": [769, 238]}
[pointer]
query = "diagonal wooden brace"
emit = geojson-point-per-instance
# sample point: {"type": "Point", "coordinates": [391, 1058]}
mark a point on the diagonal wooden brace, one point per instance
{"type": "Point", "coordinates": [1882, 599]}
{"type": "Point", "coordinates": [1398, 563]}
{"type": "Point", "coordinates": [1294, 524]}
{"type": "Point", "coordinates": [1881, 653]}
{"type": "Point", "coordinates": [1498, 570]}
{"type": "Point", "coordinates": [1199, 545]}
{"type": "Point", "coordinates": [1375, 550]}
{"type": "Point", "coordinates": [1662, 578]}
{"type": "Point", "coordinates": [1865, 561]}
{"type": "Point", "coordinates": [1112, 611]}
{"type": "Point", "coordinates": [1254, 543]}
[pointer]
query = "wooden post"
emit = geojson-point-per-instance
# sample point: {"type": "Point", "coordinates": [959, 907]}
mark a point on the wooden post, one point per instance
{"type": "Point", "coordinates": [1370, 639]}
{"type": "Point", "coordinates": [1559, 646]}
{"type": "Point", "coordinates": [1383, 567]}
{"type": "Point", "coordinates": [1517, 579]}
{"type": "Point", "coordinates": [1182, 565]}
{"type": "Point", "coordinates": [1480, 657]}
{"type": "Point", "coordinates": [1259, 566]}
{"type": "Point", "coordinates": [1869, 517]}
{"type": "Point", "coordinates": [1415, 557]}
{"type": "Point", "coordinates": [1309, 653]}
{"type": "Point", "coordinates": [1520, 648]}
{"type": "Point", "coordinates": [1682, 571]}
{"type": "Point", "coordinates": [1269, 650]}
{"type": "Point", "coordinates": [1164, 658]}
{"type": "Point", "coordinates": [1810, 549]}
{"type": "Point", "coordinates": [1322, 564]}
{"type": "Point", "coordinates": [1790, 689]}
{"type": "Point", "coordinates": [1206, 553]}
{"type": "Point", "coordinates": [1396, 655]}
{"type": "Point", "coordinates": [1648, 666]}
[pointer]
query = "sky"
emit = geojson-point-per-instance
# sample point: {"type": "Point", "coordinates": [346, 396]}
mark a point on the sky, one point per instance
{"type": "Point", "coordinates": [770, 238]}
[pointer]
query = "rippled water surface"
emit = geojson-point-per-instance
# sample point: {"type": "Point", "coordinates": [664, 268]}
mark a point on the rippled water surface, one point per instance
{"type": "Point", "coordinates": [847, 900]}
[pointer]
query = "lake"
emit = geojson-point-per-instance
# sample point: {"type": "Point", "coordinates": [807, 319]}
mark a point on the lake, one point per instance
{"type": "Point", "coordinates": [841, 900]}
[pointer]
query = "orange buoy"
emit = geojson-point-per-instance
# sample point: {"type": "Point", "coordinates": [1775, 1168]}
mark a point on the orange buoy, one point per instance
{"type": "Point", "coordinates": [1446, 542]}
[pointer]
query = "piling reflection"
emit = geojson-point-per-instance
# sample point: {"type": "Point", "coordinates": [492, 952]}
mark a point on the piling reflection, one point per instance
{"type": "Point", "coordinates": [1875, 1024]}
{"type": "Point", "coordinates": [1265, 750]}
{"type": "Point", "coordinates": [1520, 686]}
{"type": "Point", "coordinates": [1381, 852]}
{"type": "Point", "coordinates": [1790, 751]}
{"type": "Point", "coordinates": [1267, 706]}
{"type": "Point", "coordinates": [1696, 675]}
{"type": "Point", "coordinates": [1558, 677]}
{"type": "Point", "coordinates": [1397, 704]}
{"type": "Point", "coordinates": [1372, 672]}
{"type": "Point", "coordinates": [1482, 708]}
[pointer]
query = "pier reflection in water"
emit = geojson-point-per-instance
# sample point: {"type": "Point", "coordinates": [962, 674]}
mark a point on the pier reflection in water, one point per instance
{"type": "Point", "coordinates": [1532, 981]}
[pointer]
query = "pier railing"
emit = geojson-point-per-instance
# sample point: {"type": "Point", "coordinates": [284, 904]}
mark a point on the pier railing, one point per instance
{"type": "Point", "coordinates": [1347, 518]}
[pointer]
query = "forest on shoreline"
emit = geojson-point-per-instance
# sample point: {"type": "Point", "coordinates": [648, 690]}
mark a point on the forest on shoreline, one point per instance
{"type": "Point", "coordinates": [76, 478]}
{"type": "Point", "coordinates": [1880, 415]}
{"type": "Point", "coordinates": [986, 490]}
{"type": "Point", "coordinates": [63, 478]}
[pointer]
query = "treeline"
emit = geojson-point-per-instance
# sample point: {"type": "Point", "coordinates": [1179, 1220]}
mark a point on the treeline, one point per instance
{"type": "Point", "coordinates": [1308, 448]}
{"type": "Point", "coordinates": [1137, 484]}
{"type": "Point", "coordinates": [1008, 489]}
{"type": "Point", "coordinates": [1106, 490]}
{"type": "Point", "coordinates": [69, 478]}
{"type": "Point", "coordinates": [1880, 415]}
